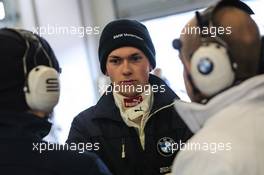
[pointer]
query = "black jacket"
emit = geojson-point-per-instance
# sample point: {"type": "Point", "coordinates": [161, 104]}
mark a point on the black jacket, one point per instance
{"type": "Point", "coordinates": [18, 135]}
{"type": "Point", "coordinates": [103, 124]}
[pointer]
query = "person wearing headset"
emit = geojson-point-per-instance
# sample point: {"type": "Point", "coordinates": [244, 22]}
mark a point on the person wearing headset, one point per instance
{"type": "Point", "coordinates": [134, 122]}
{"type": "Point", "coordinates": [29, 90]}
{"type": "Point", "coordinates": [225, 83]}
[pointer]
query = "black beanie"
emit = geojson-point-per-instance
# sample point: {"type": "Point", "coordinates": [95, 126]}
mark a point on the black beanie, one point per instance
{"type": "Point", "coordinates": [122, 33]}
{"type": "Point", "coordinates": [12, 77]}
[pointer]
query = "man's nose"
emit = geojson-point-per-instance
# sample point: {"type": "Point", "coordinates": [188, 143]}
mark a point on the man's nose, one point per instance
{"type": "Point", "coordinates": [126, 68]}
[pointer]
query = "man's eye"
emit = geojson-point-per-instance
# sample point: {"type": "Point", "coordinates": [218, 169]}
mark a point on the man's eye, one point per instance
{"type": "Point", "coordinates": [115, 61]}
{"type": "Point", "coordinates": [135, 58]}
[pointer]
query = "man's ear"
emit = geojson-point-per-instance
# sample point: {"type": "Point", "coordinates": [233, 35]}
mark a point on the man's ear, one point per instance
{"type": "Point", "coordinates": [150, 68]}
{"type": "Point", "coordinates": [106, 72]}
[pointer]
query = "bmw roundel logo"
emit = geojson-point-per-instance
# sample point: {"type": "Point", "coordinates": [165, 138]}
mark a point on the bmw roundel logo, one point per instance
{"type": "Point", "coordinates": [165, 145]}
{"type": "Point", "coordinates": [205, 66]}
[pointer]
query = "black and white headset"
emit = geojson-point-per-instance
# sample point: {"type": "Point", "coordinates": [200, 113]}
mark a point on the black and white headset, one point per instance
{"type": "Point", "coordinates": [212, 66]}
{"type": "Point", "coordinates": [42, 86]}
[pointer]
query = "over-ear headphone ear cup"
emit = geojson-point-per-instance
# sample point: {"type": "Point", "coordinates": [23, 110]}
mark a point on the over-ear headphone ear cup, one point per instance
{"type": "Point", "coordinates": [43, 88]}
{"type": "Point", "coordinates": [211, 68]}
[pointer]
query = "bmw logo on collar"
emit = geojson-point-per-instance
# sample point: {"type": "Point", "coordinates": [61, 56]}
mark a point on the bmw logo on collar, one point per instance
{"type": "Point", "coordinates": [165, 145]}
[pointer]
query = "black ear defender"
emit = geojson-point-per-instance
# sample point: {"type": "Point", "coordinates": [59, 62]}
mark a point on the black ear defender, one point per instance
{"type": "Point", "coordinates": [42, 86]}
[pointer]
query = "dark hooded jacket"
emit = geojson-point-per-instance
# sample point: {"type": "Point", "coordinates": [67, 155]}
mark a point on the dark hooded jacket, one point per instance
{"type": "Point", "coordinates": [20, 139]}
{"type": "Point", "coordinates": [119, 146]}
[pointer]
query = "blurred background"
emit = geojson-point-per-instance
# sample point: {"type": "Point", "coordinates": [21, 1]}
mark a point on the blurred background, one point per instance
{"type": "Point", "coordinates": [73, 28]}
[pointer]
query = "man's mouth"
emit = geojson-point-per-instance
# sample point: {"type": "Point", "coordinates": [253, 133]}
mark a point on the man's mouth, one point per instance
{"type": "Point", "coordinates": [128, 82]}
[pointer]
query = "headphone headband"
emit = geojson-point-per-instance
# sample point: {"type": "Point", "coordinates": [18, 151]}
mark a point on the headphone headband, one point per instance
{"type": "Point", "coordinates": [29, 38]}
{"type": "Point", "coordinates": [205, 17]}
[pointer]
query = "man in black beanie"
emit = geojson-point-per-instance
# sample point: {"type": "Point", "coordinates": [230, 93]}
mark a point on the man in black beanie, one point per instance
{"type": "Point", "coordinates": [134, 122]}
{"type": "Point", "coordinates": [125, 33]}
{"type": "Point", "coordinates": [29, 90]}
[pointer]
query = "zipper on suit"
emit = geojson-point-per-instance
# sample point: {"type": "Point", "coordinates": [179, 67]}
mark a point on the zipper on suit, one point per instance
{"type": "Point", "coordinates": [123, 152]}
